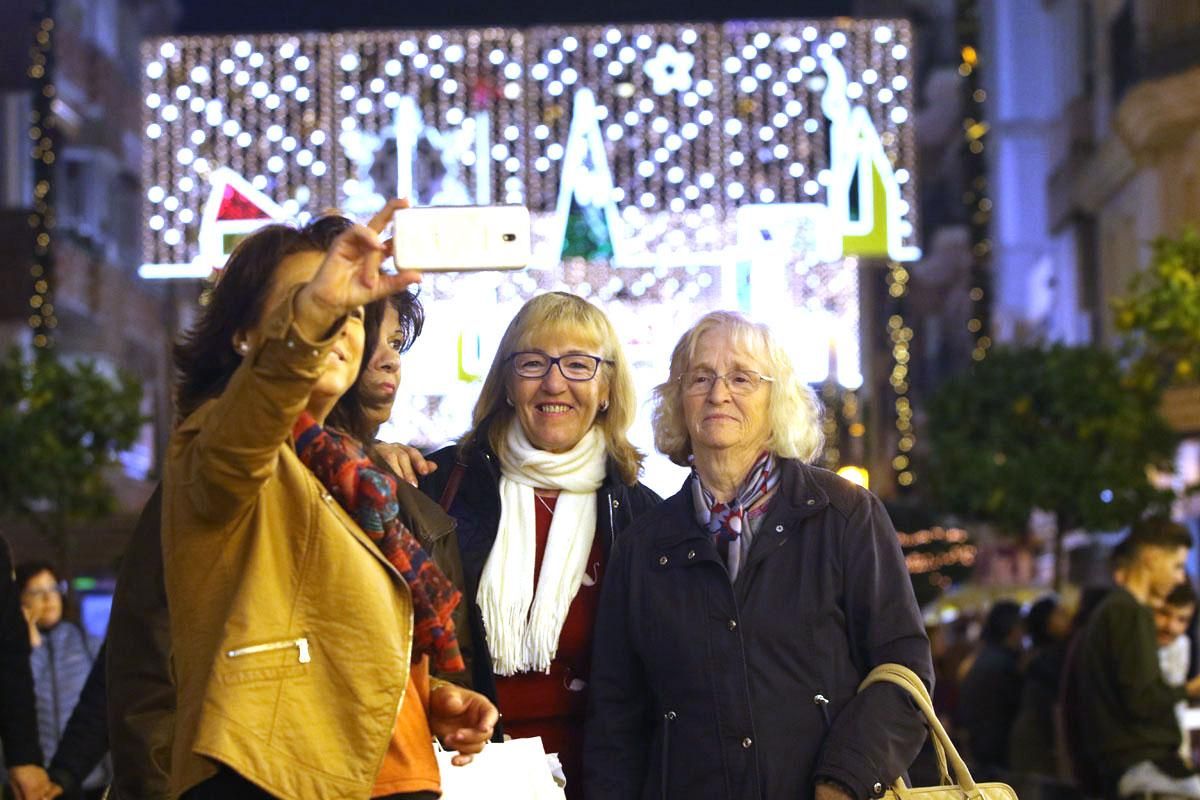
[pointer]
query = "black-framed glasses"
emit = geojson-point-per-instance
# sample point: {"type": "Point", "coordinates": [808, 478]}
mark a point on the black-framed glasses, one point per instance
{"type": "Point", "coordinates": [737, 381]}
{"type": "Point", "coordinates": [573, 366]}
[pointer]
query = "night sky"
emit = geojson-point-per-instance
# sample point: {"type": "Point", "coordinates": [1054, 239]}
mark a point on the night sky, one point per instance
{"type": "Point", "coordinates": [258, 16]}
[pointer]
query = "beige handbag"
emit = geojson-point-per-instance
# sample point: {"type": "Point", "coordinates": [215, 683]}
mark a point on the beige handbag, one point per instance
{"type": "Point", "coordinates": [965, 786]}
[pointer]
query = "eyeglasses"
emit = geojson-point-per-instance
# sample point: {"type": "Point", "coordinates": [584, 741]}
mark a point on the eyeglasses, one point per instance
{"type": "Point", "coordinates": [59, 589]}
{"type": "Point", "coordinates": [573, 367]}
{"type": "Point", "coordinates": [738, 381]}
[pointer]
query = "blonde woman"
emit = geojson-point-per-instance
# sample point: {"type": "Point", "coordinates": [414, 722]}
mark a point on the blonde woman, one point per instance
{"type": "Point", "coordinates": [740, 615]}
{"type": "Point", "coordinates": [540, 487]}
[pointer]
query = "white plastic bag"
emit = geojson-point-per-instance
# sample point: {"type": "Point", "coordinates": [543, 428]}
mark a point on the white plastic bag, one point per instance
{"type": "Point", "coordinates": [516, 769]}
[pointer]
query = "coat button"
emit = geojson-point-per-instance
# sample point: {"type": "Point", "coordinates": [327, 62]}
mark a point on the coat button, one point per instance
{"type": "Point", "coordinates": [616, 503]}
{"type": "Point", "coordinates": [662, 560]}
{"type": "Point", "coordinates": [810, 502]}
{"type": "Point", "coordinates": [779, 529]}
{"type": "Point", "coordinates": [877, 788]}
{"type": "Point", "coordinates": [746, 743]}
{"type": "Point", "coordinates": [291, 342]}
{"type": "Point", "coordinates": [732, 624]}
{"type": "Point", "coordinates": [691, 554]}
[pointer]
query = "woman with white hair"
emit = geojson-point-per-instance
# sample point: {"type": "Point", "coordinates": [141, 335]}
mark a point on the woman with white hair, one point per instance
{"type": "Point", "coordinates": [739, 616]}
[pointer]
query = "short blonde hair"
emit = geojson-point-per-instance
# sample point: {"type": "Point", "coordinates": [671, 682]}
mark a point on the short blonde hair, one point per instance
{"type": "Point", "coordinates": [793, 409]}
{"type": "Point", "coordinates": [559, 313]}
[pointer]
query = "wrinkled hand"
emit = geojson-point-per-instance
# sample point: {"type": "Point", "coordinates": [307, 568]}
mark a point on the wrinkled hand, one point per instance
{"type": "Point", "coordinates": [405, 460]}
{"type": "Point", "coordinates": [350, 276]}
{"type": "Point", "coordinates": [462, 719]}
{"type": "Point", "coordinates": [30, 782]}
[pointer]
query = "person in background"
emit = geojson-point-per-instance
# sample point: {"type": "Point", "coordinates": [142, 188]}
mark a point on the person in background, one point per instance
{"type": "Point", "coordinates": [18, 708]}
{"type": "Point", "coordinates": [1128, 709]}
{"type": "Point", "coordinates": [83, 746]}
{"type": "Point", "coordinates": [61, 658]}
{"type": "Point", "coordinates": [1032, 745]}
{"type": "Point", "coordinates": [540, 487]}
{"type": "Point", "coordinates": [1172, 618]}
{"type": "Point", "coordinates": [991, 693]}
{"type": "Point", "coordinates": [740, 615]}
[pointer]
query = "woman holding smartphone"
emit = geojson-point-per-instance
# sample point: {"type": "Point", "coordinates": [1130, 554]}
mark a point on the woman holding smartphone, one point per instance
{"type": "Point", "coordinates": [295, 638]}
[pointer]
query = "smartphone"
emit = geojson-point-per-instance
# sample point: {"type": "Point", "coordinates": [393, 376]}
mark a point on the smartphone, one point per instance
{"type": "Point", "coordinates": [461, 238]}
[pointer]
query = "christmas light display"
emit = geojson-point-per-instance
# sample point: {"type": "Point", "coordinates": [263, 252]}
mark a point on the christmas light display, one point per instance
{"type": "Point", "coordinates": [669, 169]}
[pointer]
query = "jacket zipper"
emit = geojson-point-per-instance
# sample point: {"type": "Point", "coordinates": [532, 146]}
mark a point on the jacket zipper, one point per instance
{"type": "Point", "coordinates": [668, 718]}
{"type": "Point", "coordinates": [821, 702]}
{"type": "Point", "coordinates": [300, 644]}
{"type": "Point", "coordinates": [612, 526]}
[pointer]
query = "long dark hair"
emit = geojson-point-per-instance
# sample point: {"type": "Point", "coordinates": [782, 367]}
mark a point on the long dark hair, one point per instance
{"type": "Point", "coordinates": [204, 356]}
{"type": "Point", "coordinates": [349, 414]}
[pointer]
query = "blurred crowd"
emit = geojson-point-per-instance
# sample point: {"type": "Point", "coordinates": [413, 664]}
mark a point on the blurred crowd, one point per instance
{"type": "Point", "coordinates": [1023, 689]}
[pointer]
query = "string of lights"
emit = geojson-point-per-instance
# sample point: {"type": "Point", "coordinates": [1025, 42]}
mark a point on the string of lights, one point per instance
{"type": "Point", "coordinates": [976, 199]}
{"type": "Point", "coordinates": [900, 335]}
{"type": "Point", "coordinates": [43, 129]}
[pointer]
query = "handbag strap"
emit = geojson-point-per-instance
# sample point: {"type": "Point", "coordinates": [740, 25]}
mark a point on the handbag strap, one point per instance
{"type": "Point", "coordinates": [906, 679]}
{"type": "Point", "coordinates": [452, 484]}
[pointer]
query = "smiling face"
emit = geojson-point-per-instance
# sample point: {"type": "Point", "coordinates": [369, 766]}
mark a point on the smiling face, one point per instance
{"type": "Point", "coordinates": [1171, 622]}
{"type": "Point", "coordinates": [554, 412]}
{"type": "Point", "coordinates": [721, 424]}
{"type": "Point", "coordinates": [342, 362]}
{"type": "Point", "coordinates": [381, 378]}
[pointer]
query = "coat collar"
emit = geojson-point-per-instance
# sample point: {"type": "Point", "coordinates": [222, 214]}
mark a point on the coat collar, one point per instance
{"type": "Point", "coordinates": [799, 497]}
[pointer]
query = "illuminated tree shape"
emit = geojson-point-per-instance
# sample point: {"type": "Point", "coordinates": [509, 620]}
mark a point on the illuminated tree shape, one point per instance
{"type": "Point", "coordinates": [586, 184]}
{"type": "Point", "coordinates": [858, 163]}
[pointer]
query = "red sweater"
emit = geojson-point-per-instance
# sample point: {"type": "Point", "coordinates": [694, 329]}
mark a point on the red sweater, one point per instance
{"type": "Point", "coordinates": [553, 706]}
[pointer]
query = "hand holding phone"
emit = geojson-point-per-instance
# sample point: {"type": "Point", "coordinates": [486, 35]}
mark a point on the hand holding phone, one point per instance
{"type": "Point", "coordinates": [461, 238]}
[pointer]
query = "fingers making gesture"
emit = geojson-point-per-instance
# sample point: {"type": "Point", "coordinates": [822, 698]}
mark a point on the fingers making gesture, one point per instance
{"type": "Point", "coordinates": [351, 276]}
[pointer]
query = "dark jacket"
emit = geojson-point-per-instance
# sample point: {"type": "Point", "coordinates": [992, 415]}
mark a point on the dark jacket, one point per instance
{"type": "Point", "coordinates": [141, 691]}
{"type": "Point", "coordinates": [1032, 744]}
{"type": "Point", "coordinates": [1129, 710]}
{"type": "Point", "coordinates": [476, 508]}
{"type": "Point", "coordinates": [84, 742]}
{"type": "Point", "coordinates": [988, 701]}
{"type": "Point", "coordinates": [706, 689]}
{"type": "Point", "coordinates": [18, 715]}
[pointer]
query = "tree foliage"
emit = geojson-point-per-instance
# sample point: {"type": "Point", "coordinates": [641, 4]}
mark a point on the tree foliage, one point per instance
{"type": "Point", "coordinates": [62, 423]}
{"type": "Point", "coordinates": [1059, 429]}
{"type": "Point", "coordinates": [1160, 314]}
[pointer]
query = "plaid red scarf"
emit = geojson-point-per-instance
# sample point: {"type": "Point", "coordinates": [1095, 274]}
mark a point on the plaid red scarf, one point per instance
{"type": "Point", "coordinates": [368, 494]}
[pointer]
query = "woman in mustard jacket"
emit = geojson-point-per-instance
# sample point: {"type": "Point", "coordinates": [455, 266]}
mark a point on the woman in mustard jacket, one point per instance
{"type": "Point", "coordinates": [297, 636]}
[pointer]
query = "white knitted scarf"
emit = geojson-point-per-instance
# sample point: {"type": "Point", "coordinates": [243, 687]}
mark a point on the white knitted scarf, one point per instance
{"type": "Point", "coordinates": [523, 625]}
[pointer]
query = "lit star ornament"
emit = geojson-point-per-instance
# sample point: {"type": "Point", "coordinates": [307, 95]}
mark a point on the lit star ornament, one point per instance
{"type": "Point", "coordinates": [670, 70]}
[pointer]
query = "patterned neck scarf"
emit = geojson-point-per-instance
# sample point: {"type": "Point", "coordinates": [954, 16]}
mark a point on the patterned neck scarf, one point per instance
{"type": "Point", "coordinates": [368, 494]}
{"type": "Point", "coordinates": [726, 521]}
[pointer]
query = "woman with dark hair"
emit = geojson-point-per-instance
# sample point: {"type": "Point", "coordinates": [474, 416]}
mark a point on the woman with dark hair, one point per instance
{"type": "Point", "coordinates": [991, 692]}
{"type": "Point", "coordinates": [1032, 743]}
{"type": "Point", "coordinates": [61, 658]}
{"type": "Point", "coordinates": [304, 613]}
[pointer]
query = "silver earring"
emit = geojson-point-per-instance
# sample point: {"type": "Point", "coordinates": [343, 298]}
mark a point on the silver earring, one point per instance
{"type": "Point", "coordinates": [604, 407]}
{"type": "Point", "coordinates": [244, 348]}
{"type": "Point", "coordinates": [509, 401]}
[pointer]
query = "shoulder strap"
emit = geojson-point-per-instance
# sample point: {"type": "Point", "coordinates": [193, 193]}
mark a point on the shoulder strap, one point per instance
{"type": "Point", "coordinates": [452, 484]}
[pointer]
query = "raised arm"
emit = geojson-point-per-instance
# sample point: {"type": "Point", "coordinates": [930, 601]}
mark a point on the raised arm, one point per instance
{"type": "Point", "coordinates": [228, 451]}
